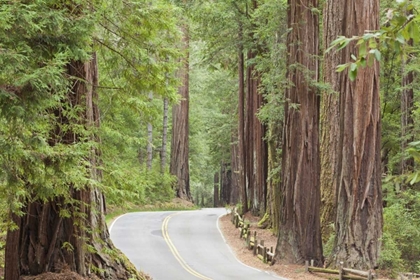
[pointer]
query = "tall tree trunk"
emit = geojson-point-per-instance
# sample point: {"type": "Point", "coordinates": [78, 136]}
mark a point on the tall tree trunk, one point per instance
{"type": "Point", "coordinates": [164, 135]}
{"type": "Point", "coordinates": [216, 196]}
{"type": "Point", "coordinates": [260, 156]}
{"type": "Point", "coordinates": [234, 192]}
{"type": "Point", "coordinates": [241, 125]}
{"type": "Point", "coordinates": [149, 148]}
{"type": "Point", "coordinates": [180, 128]}
{"type": "Point", "coordinates": [273, 182]}
{"type": "Point", "coordinates": [329, 120]}
{"type": "Point", "coordinates": [47, 241]}
{"type": "Point", "coordinates": [250, 135]}
{"type": "Point", "coordinates": [359, 196]}
{"type": "Point", "coordinates": [300, 234]}
{"type": "Point", "coordinates": [225, 183]}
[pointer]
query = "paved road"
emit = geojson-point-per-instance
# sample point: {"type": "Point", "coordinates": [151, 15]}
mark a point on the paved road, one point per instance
{"type": "Point", "coordinates": [180, 246]}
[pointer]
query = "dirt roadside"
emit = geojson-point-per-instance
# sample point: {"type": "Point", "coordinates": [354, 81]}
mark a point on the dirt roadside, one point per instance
{"type": "Point", "coordinates": [238, 246]}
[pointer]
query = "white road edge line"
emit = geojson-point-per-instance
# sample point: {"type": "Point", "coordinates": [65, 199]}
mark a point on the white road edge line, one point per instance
{"type": "Point", "coordinates": [233, 253]}
{"type": "Point", "coordinates": [110, 228]}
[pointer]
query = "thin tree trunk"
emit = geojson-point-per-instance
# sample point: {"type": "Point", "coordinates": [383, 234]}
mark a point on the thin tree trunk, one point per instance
{"type": "Point", "coordinates": [149, 148]}
{"type": "Point", "coordinates": [164, 135]}
{"type": "Point", "coordinates": [250, 118]}
{"type": "Point", "coordinates": [273, 182]}
{"type": "Point", "coordinates": [216, 202]}
{"type": "Point", "coordinates": [407, 105]}
{"type": "Point", "coordinates": [180, 129]}
{"type": "Point", "coordinates": [359, 196]}
{"type": "Point", "coordinates": [234, 193]}
{"type": "Point", "coordinates": [299, 233]}
{"type": "Point", "coordinates": [241, 126]}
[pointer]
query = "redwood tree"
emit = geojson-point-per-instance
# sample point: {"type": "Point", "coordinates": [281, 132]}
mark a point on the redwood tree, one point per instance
{"type": "Point", "coordinates": [54, 233]}
{"type": "Point", "coordinates": [359, 197]}
{"type": "Point", "coordinates": [179, 165]}
{"type": "Point", "coordinates": [299, 230]}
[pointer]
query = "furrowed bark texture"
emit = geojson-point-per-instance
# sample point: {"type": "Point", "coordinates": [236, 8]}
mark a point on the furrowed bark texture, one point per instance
{"type": "Point", "coordinates": [180, 128]}
{"type": "Point", "coordinates": [359, 195]}
{"type": "Point", "coordinates": [329, 120]}
{"type": "Point", "coordinates": [48, 242]}
{"type": "Point", "coordinates": [299, 231]}
{"type": "Point", "coordinates": [256, 148]}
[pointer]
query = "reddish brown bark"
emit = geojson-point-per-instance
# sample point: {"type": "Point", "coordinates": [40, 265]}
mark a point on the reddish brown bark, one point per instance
{"type": "Point", "coordinates": [330, 121]}
{"type": "Point", "coordinates": [359, 197]}
{"type": "Point", "coordinates": [299, 231]}
{"type": "Point", "coordinates": [180, 128]}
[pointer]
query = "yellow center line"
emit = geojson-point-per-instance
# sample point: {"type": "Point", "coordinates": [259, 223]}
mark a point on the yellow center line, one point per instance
{"type": "Point", "coordinates": [175, 251]}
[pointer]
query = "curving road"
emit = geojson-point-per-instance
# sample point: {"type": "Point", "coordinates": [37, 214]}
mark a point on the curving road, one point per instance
{"type": "Point", "coordinates": [180, 245]}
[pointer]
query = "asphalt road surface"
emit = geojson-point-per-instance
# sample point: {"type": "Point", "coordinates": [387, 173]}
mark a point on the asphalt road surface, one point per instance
{"type": "Point", "coordinates": [180, 246]}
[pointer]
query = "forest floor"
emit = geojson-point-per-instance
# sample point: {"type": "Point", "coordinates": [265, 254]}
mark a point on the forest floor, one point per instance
{"type": "Point", "coordinates": [238, 246]}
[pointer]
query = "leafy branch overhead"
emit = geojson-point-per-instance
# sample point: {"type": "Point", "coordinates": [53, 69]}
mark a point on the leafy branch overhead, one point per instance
{"type": "Point", "coordinates": [399, 28]}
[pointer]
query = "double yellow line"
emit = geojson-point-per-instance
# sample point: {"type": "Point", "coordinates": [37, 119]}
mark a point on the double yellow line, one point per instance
{"type": "Point", "coordinates": [175, 251]}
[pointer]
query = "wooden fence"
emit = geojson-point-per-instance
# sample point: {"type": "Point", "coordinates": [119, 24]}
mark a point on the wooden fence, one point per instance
{"type": "Point", "coordinates": [408, 276]}
{"type": "Point", "coordinates": [267, 255]}
{"type": "Point", "coordinates": [342, 272]}
{"type": "Point", "coordinates": [263, 253]}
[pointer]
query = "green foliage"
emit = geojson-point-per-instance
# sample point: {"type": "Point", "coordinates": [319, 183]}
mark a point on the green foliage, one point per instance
{"type": "Point", "coordinates": [395, 33]}
{"type": "Point", "coordinates": [401, 239]}
{"type": "Point", "coordinates": [137, 43]}
{"type": "Point", "coordinates": [401, 231]}
{"type": "Point", "coordinates": [38, 40]}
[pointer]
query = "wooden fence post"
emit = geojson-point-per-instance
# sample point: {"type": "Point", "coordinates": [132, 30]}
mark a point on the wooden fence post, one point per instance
{"type": "Point", "coordinates": [265, 254]}
{"type": "Point", "coordinates": [340, 271]}
{"type": "Point", "coordinates": [255, 251]}
{"type": "Point", "coordinates": [307, 266]}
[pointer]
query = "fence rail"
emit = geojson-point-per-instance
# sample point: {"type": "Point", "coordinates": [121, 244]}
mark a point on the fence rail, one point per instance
{"type": "Point", "coordinates": [267, 255]}
{"type": "Point", "coordinates": [342, 272]}
{"type": "Point", "coordinates": [408, 276]}
{"type": "Point", "coordinates": [259, 250]}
